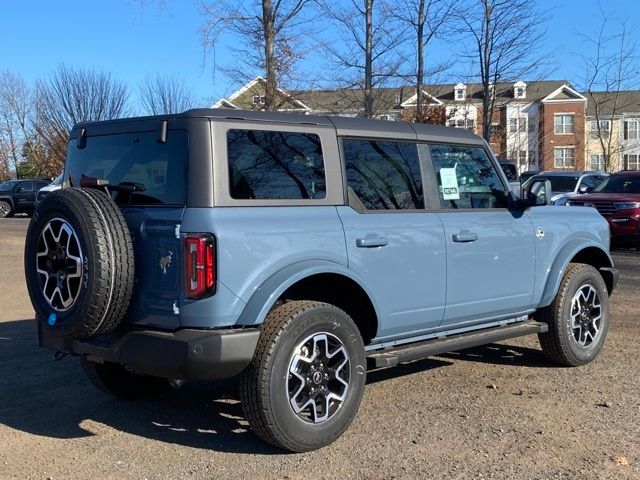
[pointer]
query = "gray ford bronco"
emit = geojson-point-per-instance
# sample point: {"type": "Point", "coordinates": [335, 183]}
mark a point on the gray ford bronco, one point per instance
{"type": "Point", "coordinates": [298, 252]}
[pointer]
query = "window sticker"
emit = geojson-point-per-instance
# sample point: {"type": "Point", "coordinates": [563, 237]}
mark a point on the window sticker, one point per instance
{"type": "Point", "coordinates": [450, 190]}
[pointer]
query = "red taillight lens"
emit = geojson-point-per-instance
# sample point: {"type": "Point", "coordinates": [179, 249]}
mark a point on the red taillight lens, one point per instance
{"type": "Point", "coordinates": [200, 265]}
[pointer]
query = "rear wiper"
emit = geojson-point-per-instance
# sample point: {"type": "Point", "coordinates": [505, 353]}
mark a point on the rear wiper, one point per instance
{"type": "Point", "coordinates": [95, 182]}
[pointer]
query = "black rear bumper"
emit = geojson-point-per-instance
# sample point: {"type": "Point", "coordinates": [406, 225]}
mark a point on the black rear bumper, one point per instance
{"type": "Point", "coordinates": [186, 354]}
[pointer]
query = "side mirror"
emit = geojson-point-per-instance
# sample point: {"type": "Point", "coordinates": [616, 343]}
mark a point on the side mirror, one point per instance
{"type": "Point", "coordinates": [538, 193]}
{"type": "Point", "coordinates": [584, 189]}
{"type": "Point", "coordinates": [19, 188]}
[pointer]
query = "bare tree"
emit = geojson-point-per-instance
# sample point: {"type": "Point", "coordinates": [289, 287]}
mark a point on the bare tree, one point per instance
{"type": "Point", "coordinates": [268, 35]}
{"type": "Point", "coordinates": [161, 95]}
{"type": "Point", "coordinates": [73, 95]}
{"type": "Point", "coordinates": [500, 36]}
{"type": "Point", "coordinates": [15, 121]}
{"type": "Point", "coordinates": [427, 19]}
{"type": "Point", "coordinates": [611, 69]}
{"type": "Point", "coordinates": [368, 57]}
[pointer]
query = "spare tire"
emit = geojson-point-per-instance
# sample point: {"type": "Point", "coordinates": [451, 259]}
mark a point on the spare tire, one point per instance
{"type": "Point", "coordinates": [79, 263]}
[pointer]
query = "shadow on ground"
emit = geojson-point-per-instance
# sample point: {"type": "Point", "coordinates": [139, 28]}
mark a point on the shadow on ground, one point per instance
{"type": "Point", "coordinates": [53, 399]}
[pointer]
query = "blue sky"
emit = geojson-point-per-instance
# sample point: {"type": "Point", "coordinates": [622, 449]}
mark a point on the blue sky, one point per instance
{"type": "Point", "coordinates": [132, 41]}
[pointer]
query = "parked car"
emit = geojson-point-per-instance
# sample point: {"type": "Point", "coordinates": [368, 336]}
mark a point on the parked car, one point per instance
{"type": "Point", "coordinates": [524, 176]}
{"type": "Point", "coordinates": [510, 169]}
{"type": "Point", "coordinates": [52, 187]}
{"type": "Point", "coordinates": [565, 185]}
{"type": "Point", "coordinates": [19, 196]}
{"type": "Point", "coordinates": [618, 200]}
{"type": "Point", "coordinates": [298, 252]}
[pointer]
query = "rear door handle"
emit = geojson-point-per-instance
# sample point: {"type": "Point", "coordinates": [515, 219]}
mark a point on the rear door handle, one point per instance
{"type": "Point", "coordinates": [371, 241]}
{"type": "Point", "coordinates": [465, 237]}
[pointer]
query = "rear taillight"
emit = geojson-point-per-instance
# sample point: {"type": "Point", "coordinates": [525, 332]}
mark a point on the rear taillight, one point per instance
{"type": "Point", "coordinates": [200, 265]}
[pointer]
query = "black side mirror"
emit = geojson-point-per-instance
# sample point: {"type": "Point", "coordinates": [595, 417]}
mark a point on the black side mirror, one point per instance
{"type": "Point", "coordinates": [538, 193]}
{"type": "Point", "coordinates": [19, 188]}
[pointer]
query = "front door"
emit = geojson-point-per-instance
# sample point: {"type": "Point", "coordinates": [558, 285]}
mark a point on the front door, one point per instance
{"type": "Point", "coordinates": [490, 250]}
{"type": "Point", "coordinates": [393, 244]}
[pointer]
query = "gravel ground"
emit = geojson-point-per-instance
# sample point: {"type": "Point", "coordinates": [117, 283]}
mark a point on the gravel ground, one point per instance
{"type": "Point", "coordinates": [500, 411]}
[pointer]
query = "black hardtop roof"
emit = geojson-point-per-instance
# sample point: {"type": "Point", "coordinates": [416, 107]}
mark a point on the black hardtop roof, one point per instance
{"type": "Point", "coordinates": [569, 173]}
{"type": "Point", "coordinates": [343, 125]}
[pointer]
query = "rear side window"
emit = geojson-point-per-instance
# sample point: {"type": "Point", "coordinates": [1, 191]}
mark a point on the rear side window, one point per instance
{"type": "Point", "coordinates": [158, 170]}
{"type": "Point", "coordinates": [466, 178]}
{"type": "Point", "coordinates": [385, 175]}
{"type": "Point", "coordinates": [275, 165]}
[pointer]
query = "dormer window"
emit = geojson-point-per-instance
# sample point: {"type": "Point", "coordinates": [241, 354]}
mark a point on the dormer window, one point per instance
{"type": "Point", "coordinates": [259, 99]}
{"type": "Point", "coordinates": [519, 90]}
{"type": "Point", "coordinates": [460, 91]}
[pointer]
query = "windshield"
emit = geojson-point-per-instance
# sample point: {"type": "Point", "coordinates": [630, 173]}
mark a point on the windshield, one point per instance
{"type": "Point", "coordinates": [558, 183]}
{"type": "Point", "coordinates": [155, 172]}
{"type": "Point", "coordinates": [8, 185]}
{"type": "Point", "coordinates": [620, 184]}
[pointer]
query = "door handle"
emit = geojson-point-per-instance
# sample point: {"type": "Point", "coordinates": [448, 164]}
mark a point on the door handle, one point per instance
{"type": "Point", "coordinates": [371, 241]}
{"type": "Point", "coordinates": [465, 237]}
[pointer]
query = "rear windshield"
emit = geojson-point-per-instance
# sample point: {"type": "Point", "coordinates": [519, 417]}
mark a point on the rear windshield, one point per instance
{"type": "Point", "coordinates": [558, 183]}
{"type": "Point", "coordinates": [620, 184]}
{"type": "Point", "coordinates": [157, 171]}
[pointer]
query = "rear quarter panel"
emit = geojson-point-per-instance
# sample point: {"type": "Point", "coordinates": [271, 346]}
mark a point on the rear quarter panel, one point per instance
{"type": "Point", "coordinates": [255, 243]}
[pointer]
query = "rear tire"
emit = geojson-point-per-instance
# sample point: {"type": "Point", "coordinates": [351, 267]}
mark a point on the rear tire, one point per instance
{"type": "Point", "coordinates": [5, 209]}
{"type": "Point", "coordinates": [304, 385]}
{"type": "Point", "coordinates": [115, 380]}
{"type": "Point", "coordinates": [578, 318]}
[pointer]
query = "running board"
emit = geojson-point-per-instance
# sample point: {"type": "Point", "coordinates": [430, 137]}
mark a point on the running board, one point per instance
{"type": "Point", "coordinates": [417, 351]}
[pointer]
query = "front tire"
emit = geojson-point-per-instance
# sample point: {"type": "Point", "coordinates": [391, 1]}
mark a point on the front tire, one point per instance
{"type": "Point", "coordinates": [305, 383]}
{"type": "Point", "coordinates": [578, 318]}
{"type": "Point", "coordinates": [115, 380]}
{"type": "Point", "coordinates": [5, 209]}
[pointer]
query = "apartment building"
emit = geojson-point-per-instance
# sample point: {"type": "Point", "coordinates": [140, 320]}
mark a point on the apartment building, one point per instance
{"type": "Point", "coordinates": [540, 124]}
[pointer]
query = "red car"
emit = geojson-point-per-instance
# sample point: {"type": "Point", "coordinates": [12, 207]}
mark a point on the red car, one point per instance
{"type": "Point", "coordinates": [618, 200]}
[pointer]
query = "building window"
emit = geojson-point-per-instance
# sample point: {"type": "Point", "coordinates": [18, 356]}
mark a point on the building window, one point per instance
{"type": "Point", "coordinates": [531, 125]}
{"type": "Point", "coordinates": [602, 132]}
{"type": "Point", "coordinates": [494, 129]}
{"type": "Point", "coordinates": [597, 162]}
{"type": "Point", "coordinates": [632, 162]}
{"type": "Point", "coordinates": [522, 126]}
{"type": "Point", "coordinates": [563, 157]}
{"type": "Point", "coordinates": [563, 124]}
{"type": "Point", "coordinates": [632, 129]}
{"type": "Point", "coordinates": [522, 157]}
{"type": "Point", "coordinates": [519, 92]}
{"type": "Point", "coordinates": [513, 125]}
{"type": "Point", "coordinates": [460, 94]}
{"type": "Point", "coordinates": [462, 123]}
{"type": "Point", "coordinates": [532, 156]}
{"type": "Point", "coordinates": [259, 99]}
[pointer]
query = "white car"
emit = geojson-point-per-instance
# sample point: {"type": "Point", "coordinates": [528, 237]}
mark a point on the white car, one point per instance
{"type": "Point", "coordinates": [565, 185]}
{"type": "Point", "coordinates": [52, 187]}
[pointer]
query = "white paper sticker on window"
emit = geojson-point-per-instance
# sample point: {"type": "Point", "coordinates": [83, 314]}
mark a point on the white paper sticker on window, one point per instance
{"type": "Point", "coordinates": [449, 181]}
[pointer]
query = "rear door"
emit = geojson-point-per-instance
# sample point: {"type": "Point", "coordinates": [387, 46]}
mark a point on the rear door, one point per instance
{"type": "Point", "coordinates": [157, 171]}
{"type": "Point", "coordinates": [392, 242]}
{"type": "Point", "coordinates": [24, 196]}
{"type": "Point", "coordinates": [490, 249]}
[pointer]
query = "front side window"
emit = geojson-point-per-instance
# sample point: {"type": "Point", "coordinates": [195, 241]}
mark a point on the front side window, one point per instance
{"type": "Point", "coordinates": [384, 175]}
{"type": "Point", "coordinates": [26, 187]}
{"type": "Point", "coordinates": [563, 157]}
{"type": "Point", "coordinates": [275, 165]}
{"type": "Point", "coordinates": [466, 178]}
{"type": "Point", "coordinates": [563, 124]}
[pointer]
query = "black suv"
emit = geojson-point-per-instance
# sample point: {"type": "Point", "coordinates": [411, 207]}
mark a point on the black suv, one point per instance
{"type": "Point", "coordinates": [18, 196]}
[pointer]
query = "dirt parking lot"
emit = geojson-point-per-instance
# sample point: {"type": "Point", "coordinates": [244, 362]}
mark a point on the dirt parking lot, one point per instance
{"type": "Point", "coordinates": [500, 411]}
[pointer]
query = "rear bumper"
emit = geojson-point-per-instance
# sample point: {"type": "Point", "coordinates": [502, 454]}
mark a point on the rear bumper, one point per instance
{"type": "Point", "coordinates": [186, 354]}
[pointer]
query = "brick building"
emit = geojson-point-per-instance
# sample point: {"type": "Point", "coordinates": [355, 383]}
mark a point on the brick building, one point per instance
{"type": "Point", "coordinates": [540, 124]}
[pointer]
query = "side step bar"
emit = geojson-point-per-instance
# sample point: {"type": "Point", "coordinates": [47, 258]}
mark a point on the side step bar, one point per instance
{"type": "Point", "coordinates": [417, 351]}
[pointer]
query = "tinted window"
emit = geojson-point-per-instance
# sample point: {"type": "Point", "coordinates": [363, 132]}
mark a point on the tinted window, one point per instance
{"type": "Point", "coordinates": [8, 185]}
{"type": "Point", "coordinates": [591, 181]}
{"type": "Point", "coordinates": [510, 171]}
{"type": "Point", "coordinates": [466, 178]}
{"type": "Point", "coordinates": [620, 184]}
{"type": "Point", "coordinates": [275, 165]}
{"type": "Point", "coordinates": [159, 169]}
{"type": "Point", "coordinates": [26, 186]}
{"type": "Point", "coordinates": [559, 183]}
{"type": "Point", "coordinates": [384, 175]}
